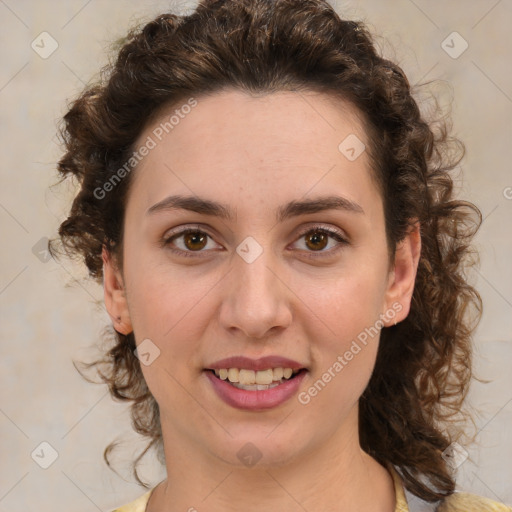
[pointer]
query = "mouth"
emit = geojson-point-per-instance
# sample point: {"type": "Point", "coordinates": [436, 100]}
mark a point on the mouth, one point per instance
{"type": "Point", "coordinates": [255, 390]}
{"type": "Point", "coordinates": [256, 380]}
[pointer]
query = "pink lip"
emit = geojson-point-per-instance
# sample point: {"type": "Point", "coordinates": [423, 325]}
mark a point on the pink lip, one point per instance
{"type": "Point", "coordinates": [255, 400]}
{"type": "Point", "coordinates": [264, 363]}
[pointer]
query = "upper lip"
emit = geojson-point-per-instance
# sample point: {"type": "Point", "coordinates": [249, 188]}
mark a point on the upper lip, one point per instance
{"type": "Point", "coordinates": [262, 363]}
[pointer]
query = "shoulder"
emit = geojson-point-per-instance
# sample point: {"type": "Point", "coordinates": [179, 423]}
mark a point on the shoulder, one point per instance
{"type": "Point", "coordinates": [139, 505]}
{"type": "Point", "coordinates": [468, 502]}
{"type": "Point", "coordinates": [457, 502]}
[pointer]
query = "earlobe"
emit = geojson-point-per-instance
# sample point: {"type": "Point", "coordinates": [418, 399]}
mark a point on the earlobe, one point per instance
{"type": "Point", "coordinates": [403, 274]}
{"type": "Point", "coordinates": [115, 296]}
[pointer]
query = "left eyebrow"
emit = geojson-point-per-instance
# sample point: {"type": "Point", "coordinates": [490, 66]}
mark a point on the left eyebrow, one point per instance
{"type": "Point", "coordinates": [291, 209]}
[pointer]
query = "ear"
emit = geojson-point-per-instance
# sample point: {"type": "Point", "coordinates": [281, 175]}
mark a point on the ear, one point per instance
{"type": "Point", "coordinates": [403, 275]}
{"type": "Point", "coordinates": [115, 296]}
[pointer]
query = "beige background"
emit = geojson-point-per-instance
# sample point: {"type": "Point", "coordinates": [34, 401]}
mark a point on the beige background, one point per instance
{"type": "Point", "coordinates": [45, 324]}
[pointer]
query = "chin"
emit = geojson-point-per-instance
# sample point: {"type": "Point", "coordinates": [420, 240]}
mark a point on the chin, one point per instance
{"type": "Point", "coordinates": [258, 447]}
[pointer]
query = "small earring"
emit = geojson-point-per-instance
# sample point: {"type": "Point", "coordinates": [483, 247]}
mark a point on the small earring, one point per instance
{"type": "Point", "coordinates": [119, 319]}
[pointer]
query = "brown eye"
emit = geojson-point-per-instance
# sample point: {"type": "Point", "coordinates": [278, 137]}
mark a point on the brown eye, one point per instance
{"type": "Point", "coordinates": [316, 240]}
{"type": "Point", "coordinates": [188, 242]}
{"type": "Point", "coordinates": [195, 240]}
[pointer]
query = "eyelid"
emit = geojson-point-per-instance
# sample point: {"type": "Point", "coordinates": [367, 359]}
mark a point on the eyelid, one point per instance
{"type": "Point", "coordinates": [342, 239]}
{"type": "Point", "coordinates": [321, 227]}
{"type": "Point", "coordinates": [166, 240]}
{"type": "Point", "coordinates": [335, 233]}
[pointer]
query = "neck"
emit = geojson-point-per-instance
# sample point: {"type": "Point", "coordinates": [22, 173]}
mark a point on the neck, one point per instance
{"type": "Point", "coordinates": [336, 475]}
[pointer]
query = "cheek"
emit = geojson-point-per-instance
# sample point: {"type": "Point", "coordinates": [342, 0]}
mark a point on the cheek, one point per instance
{"type": "Point", "coordinates": [167, 308]}
{"type": "Point", "coordinates": [345, 353]}
{"type": "Point", "coordinates": [345, 328]}
{"type": "Point", "coordinates": [164, 297]}
{"type": "Point", "coordinates": [348, 304]}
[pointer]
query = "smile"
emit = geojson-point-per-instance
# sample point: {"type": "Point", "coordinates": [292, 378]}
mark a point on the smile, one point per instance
{"type": "Point", "coordinates": [255, 380]}
{"type": "Point", "coordinates": [255, 390]}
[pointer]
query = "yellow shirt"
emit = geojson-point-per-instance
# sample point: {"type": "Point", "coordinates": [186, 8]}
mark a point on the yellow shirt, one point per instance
{"type": "Point", "coordinates": [457, 502]}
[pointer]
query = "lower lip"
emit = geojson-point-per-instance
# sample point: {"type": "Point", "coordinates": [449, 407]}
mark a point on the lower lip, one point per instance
{"type": "Point", "coordinates": [256, 400]}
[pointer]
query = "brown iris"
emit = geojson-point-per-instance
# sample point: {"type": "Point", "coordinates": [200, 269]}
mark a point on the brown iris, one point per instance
{"type": "Point", "coordinates": [315, 237]}
{"type": "Point", "coordinates": [191, 239]}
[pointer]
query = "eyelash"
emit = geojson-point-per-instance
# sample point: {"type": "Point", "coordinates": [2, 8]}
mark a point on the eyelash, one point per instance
{"type": "Point", "coordinates": [166, 241]}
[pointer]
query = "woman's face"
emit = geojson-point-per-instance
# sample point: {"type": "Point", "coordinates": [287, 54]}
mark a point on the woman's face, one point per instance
{"type": "Point", "coordinates": [257, 281]}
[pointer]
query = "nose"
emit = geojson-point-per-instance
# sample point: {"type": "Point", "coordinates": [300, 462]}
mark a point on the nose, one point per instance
{"type": "Point", "coordinates": [256, 300]}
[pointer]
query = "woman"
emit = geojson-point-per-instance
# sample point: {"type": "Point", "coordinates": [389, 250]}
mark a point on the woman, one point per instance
{"type": "Point", "coordinates": [273, 223]}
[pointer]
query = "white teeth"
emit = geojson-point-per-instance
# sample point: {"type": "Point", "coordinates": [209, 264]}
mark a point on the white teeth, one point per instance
{"type": "Point", "coordinates": [255, 387]}
{"type": "Point", "coordinates": [233, 374]}
{"type": "Point", "coordinates": [266, 378]}
{"type": "Point", "coordinates": [247, 377]}
{"type": "Point", "coordinates": [278, 374]}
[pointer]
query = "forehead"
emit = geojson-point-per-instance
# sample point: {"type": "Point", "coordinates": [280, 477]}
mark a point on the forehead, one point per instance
{"type": "Point", "coordinates": [283, 117]}
{"type": "Point", "coordinates": [287, 141]}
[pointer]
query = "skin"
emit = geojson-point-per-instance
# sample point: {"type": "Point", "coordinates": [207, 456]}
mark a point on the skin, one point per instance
{"type": "Point", "coordinates": [256, 153]}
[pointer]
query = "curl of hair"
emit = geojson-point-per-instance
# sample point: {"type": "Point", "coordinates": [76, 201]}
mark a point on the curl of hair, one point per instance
{"type": "Point", "coordinates": [424, 364]}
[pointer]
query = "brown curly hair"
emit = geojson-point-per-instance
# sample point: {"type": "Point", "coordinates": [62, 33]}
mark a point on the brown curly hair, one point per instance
{"type": "Point", "coordinates": [424, 364]}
